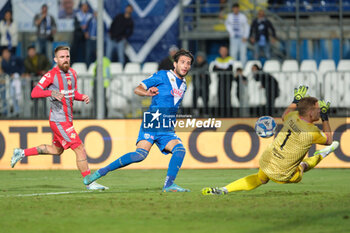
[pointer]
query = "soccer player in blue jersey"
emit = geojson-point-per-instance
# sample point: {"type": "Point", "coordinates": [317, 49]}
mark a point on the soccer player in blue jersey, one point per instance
{"type": "Point", "coordinates": [167, 89]}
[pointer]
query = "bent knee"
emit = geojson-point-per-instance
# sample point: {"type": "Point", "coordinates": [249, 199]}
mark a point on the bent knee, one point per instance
{"type": "Point", "coordinates": [179, 148]}
{"type": "Point", "coordinates": [139, 155]}
{"type": "Point", "coordinates": [263, 177]}
{"type": "Point", "coordinates": [59, 151]}
{"type": "Point", "coordinates": [264, 181]}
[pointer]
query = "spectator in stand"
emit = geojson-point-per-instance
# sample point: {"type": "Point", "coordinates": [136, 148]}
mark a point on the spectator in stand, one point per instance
{"type": "Point", "coordinates": [168, 62]}
{"type": "Point", "coordinates": [3, 101]}
{"type": "Point", "coordinates": [242, 82]}
{"type": "Point", "coordinates": [260, 35]}
{"type": "Point", "coordinates": [242, 92]}
{"type": "Point", "coordinates": [270, 84]}
{"type": "Point", "coordinates": [201, 80]}
{"type": "Point", "coordinates": [13, 66]}
{"type": "Point", "coordinates": [238, 29]}
{"type": "Point", "coordinates": [121, 29]}
{"type": "Point", "coordinates": [81, 20]}
{"type": "Point", "coordinates": [36, 65]}
{"type": "Point", "coordinates": [66, 10]}
{"type": "Point", "coordinates": [46, 29]}
{"type": "Point", "coordinates": [224, 66]}
{"type": "Point", "coordinates": [9, 33]}
{"type": "Point", "coordinates": [91, 37]}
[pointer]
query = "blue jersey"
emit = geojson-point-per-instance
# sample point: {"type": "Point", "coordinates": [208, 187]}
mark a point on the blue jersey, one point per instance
{"type": "Point", "coordinates": [165, 105]}
{"type": "Point", "coordinates": [157, 124]}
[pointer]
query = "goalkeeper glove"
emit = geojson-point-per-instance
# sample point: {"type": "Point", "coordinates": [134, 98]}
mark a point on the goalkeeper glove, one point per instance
{"type": "Point", "coordinates": [299, 93]}
{"type": "Point", "coordinates": [324, 108]}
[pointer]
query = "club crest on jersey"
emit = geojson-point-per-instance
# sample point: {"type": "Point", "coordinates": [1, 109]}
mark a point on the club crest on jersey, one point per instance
{"type": "Point", "coordinates": [69, 82]}
{"type": "Point", "coordinates": [176, 92]}
{"type": "Point", "coordinates": [63, 142]}
{"type": "Point", "coordinates": [73, 135]}
{"type": "Point", "coordinates": [148, 136]}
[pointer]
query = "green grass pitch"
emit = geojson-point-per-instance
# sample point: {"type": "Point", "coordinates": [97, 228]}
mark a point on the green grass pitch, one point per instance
{"type": "Point", "coordinates": [134, 203]}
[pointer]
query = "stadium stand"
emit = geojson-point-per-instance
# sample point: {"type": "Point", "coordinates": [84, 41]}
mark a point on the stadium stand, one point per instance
{"type": "Point", "coordinates": [132, 68]}
{"type": "Point", "coordinates": [272, 66]}
{"type": "Point", "coordinates": [116, 68]}
{"type": "Point", "coordinates": [80, 68]}
{"type": "Point", "coordinates": [308, 65]}
{"type": "Point", "coordinates": [344, 65]}
{"type": "Point", "coordinates": [149, 67]}
{"type": "Point", "coordinates": [290, 65]}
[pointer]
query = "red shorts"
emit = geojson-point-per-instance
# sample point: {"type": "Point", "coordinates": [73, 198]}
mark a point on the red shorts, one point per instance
{"type": "Point", "coordinates": [65, 135]}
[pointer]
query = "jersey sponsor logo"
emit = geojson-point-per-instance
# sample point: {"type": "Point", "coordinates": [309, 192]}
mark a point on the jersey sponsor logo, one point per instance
{"type": "Point", "coordinates": [48, 75]}
{"type": "Point", "coordinates": [177, 92]}
{"type": "Point", "coordinates": [70, 129]}
{"type": "Point", "coordinates": [67, 92]}
{"type": "Point", "coordinates": [42, 80]}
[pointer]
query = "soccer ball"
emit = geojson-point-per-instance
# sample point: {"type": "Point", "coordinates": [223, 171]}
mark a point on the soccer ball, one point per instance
{"type": "Point", "coordinates": [265, 127]}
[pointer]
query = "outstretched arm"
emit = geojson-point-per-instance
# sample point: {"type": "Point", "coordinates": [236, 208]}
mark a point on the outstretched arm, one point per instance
{"type": "Point", "coordinates": [299, 93]}
{"type": "Point", "coordinates": [141, 91]}
{"type": "Point", "coordinates": [326, 128]}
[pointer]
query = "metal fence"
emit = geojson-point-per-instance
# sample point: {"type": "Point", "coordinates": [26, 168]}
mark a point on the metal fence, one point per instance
{"type": "Point", "coordinates": [210, 94]}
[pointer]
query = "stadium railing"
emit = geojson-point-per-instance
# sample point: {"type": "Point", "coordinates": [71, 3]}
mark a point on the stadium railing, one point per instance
{"type": "Point", "coordinates": [121, 102]}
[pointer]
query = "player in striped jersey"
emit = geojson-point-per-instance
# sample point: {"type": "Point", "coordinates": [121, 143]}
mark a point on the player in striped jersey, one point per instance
{"type": "Point", "coordinates": [60, 86]}
{"type": "Point", "coordinates": [284, 160]}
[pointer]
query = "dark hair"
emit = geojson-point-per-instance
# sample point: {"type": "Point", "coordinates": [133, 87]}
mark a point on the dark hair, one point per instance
{"type": "Point", "coordinates": [183, 52]}
{"type": "Point", "coordinates": [235, 5]}
{"type": "Point", "coordinates": [31, 47]}
{"type": "Point", "coordinates": [61, 47]}
{"type": "Point", "coordinates": [305, 104]}
{"type": "Point", "coordinates": [11, 20]}
{"type": "Point", "coordinates": [239, 69]}
{"type": "Point", "coordinates": [5, 49]}
{"type": "Point", "coordinates": [257, 66]}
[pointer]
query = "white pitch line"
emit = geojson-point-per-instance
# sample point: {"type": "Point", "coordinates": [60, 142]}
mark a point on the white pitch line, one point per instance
{"type": "Point", "coordinates": [44, 194]}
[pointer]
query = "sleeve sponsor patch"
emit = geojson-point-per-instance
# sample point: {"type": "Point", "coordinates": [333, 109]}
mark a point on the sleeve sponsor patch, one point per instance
{"type": "Point", "coordinates": [42, 80]}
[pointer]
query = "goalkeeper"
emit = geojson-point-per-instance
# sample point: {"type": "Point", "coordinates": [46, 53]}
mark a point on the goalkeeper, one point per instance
{"type": "Point", "coordinates": [284, 160]}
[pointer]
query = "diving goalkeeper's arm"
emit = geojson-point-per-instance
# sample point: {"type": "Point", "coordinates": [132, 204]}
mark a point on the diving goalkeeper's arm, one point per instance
{"type": "Point", "coordinates": [326, 128]}
{"type": "Point", "coordinates": [299, 93]}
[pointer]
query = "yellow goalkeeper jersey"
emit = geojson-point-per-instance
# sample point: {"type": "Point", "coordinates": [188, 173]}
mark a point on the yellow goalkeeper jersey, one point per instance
{"type": "Point", "coordinates": [280, 160]}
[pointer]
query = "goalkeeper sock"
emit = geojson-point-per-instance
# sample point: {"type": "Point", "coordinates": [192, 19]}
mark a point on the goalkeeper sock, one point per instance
{"type": "Point", "coordinates": [132, 157]}
{"type": "Point", "coordinates": [31, 151]}
{"type": "Point", "coordinates": [175, 163]}
{"type": "Point", "coordinates": [247, 183]}
{"type": "Point", "coordinates": [311, 162]}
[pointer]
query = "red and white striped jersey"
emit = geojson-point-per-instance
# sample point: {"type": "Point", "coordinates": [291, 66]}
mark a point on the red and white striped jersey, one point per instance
{"type": "Point", "coordinates": [65, 83]}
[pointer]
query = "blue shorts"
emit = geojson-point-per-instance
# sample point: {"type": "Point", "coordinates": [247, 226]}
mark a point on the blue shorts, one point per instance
{"type": "Point", "coordinates": [161, 138]}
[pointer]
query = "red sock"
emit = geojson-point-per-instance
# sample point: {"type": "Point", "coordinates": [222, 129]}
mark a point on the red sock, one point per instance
{"type": "Point", "coordinates": [31, 151]}
{"type": "Point", "coordinates": [87, 172]}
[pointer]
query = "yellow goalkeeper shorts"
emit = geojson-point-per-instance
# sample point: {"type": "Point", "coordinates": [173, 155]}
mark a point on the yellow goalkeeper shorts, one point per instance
{"type": "Point", "coordinates": [296, 178]}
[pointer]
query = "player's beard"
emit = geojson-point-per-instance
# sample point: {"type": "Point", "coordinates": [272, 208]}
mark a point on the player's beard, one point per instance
{"type": "Point", "coordinates": [64, 67]}
{"type": "Point", "coordinates": [178, 72]}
